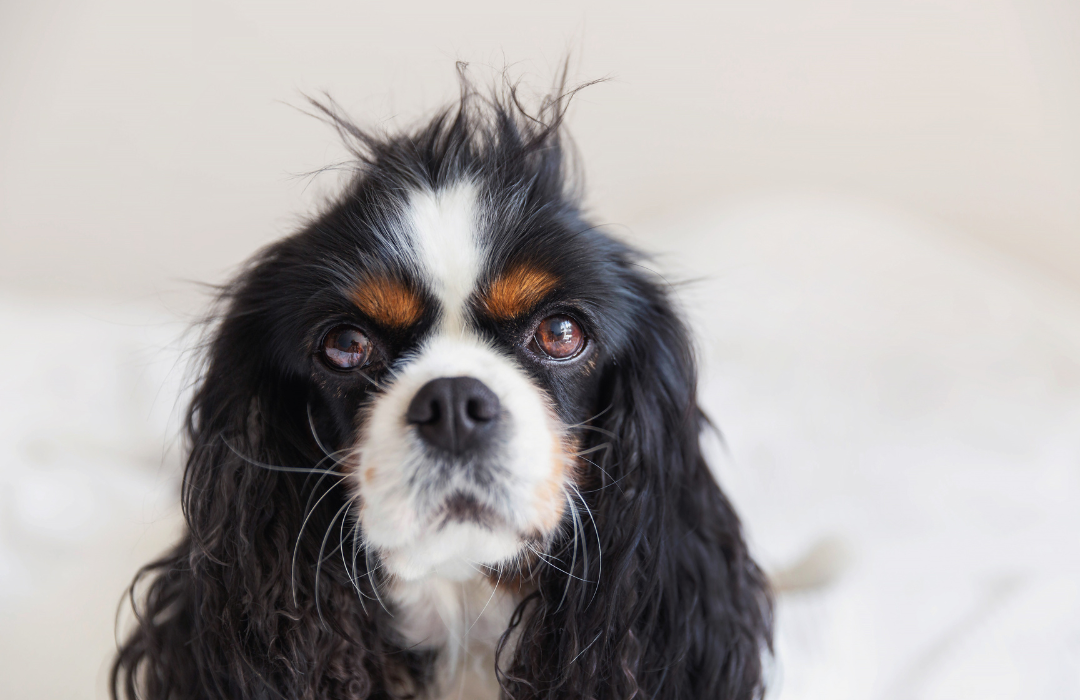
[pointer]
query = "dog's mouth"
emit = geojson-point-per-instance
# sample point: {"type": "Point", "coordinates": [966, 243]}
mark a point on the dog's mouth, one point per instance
{"type": "Point", "coordinates": [461, 507]}
{"type": "Point", "coordinates": [458, 535]}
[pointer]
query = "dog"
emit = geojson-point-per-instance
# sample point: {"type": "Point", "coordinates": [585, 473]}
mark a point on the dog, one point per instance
{"type": "Point", "coordinates": [446, 444]}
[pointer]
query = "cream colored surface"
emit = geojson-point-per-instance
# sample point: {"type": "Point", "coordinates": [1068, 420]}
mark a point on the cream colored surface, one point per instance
{"type": "Point", "coordinates": [147, 144]}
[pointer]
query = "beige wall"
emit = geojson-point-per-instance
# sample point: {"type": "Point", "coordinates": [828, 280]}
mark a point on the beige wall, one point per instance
{"type": "Point", "coordinates": [144, 143]}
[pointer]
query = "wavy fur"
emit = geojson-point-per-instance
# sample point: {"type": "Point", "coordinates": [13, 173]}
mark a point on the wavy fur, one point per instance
{"type": "Point", "coordinates": [657, 596]}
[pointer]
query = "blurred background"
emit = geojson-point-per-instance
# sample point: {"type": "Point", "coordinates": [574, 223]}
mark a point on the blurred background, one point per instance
{"type": "Point", "coordinates": [879, 205]}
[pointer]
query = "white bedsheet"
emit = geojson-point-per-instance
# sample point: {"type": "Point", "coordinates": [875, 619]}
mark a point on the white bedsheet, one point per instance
{"type": "Point", "coordinates": [888, 394]}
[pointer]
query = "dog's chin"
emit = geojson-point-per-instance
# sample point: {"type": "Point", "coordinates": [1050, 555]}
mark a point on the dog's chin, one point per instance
{"type": "Point", "coordinates": [455, 551]}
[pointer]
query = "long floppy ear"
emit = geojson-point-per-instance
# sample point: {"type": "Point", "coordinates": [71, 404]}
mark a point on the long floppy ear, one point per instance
{"type": "Point", "coordinates": [232, 611]}
{"type": "Point", "coordinates": [663, 600]}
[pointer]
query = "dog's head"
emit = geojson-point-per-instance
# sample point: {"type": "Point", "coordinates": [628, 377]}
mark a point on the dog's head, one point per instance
{"type": "Point", "coordinates": [453, 372]}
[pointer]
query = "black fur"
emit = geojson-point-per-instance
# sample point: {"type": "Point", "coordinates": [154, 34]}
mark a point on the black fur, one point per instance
{"type": "Point", "coordinates": [674, 608]}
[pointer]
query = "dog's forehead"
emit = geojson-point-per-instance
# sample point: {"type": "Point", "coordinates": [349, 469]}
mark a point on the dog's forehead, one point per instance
{"type": "Point", "coordinates": [441, 245]}
{"type": "Point", "coordinates": [443, 229]}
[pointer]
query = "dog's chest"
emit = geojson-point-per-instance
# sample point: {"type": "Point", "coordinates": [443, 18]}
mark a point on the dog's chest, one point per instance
{"type": "Point", "coordinates": [464, 620]}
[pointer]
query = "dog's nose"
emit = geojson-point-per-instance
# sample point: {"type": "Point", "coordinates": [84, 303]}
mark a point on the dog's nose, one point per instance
{"type": "Point", "coordinates": [454, 414]}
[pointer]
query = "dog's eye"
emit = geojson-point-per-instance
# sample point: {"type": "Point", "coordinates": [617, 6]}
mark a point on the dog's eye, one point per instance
{"type": "Point", "coordinates": [559, 337]}
{"type": "Point", "coordinates": [345, 347]}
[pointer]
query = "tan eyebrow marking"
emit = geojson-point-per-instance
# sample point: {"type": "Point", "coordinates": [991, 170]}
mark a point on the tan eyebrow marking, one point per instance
{"type": "Point", "coordinates": [517, 291]}
{"type": "Point", "coordinates": [388, 301]}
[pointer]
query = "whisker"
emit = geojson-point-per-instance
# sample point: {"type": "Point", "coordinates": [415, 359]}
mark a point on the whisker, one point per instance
{"type": "Point", "coordinates": [591, 418]}
{"type": "Point", "coordinates": [574, 541]}
{"type": "Point", "coordinates": [332, 456]}
{"type": "Point", "coordinates": [296, 547]}
{"type": "Point", "coordinates": [474, 566]}
{"type": "Point", "coordinates": [351, 573]}
{"type": "Point", "coordinates": [362, 546]}
{"type": "Point", "coordinates": [613, 482]}
{"type": "Point", "coordinates": [371, 578]}
{"type": "Point", "coordinates": [490, 597]}
{"type": "Point", "coordinates": [314, 433]}
{"type": "Point", "coordinates": [599, 546]}
{"type": "Point", "coordinates": [595, 448]}
{"type": "Point", "coordinates": [548, 562]}
{"type": "Point", "coordinates": [374, 383]}
{"type": "Point", "coordinates": [593, 428]}
{"type": "Point", "coordinates": [355, 551]}
{"type": "Point", "coordinates": [315, 488]}
{"type": "Point", "coordinates": [390, 372]}
{"type": "Point", "coordinates": [578, 527]}
{"type": "Point", "coordinates": [277, 468]}
{"type": "Point", "coordinates": [319, 560]}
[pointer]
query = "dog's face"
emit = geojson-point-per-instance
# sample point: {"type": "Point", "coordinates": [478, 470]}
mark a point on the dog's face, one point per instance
{"type": "Point", "coordinates": [457, 350]}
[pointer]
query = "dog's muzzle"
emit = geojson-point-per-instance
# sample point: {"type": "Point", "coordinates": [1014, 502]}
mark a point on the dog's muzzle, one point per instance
{"type": "Point", "coordinates": [459, 462]}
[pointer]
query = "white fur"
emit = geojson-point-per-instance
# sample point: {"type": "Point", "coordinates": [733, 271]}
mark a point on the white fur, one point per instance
{"type": "Point", "coordinates": [465, 619]}
{"type": "Point", "coordinates": [444, 228]}
{"type": "Point", "coordinates": [435, 584]}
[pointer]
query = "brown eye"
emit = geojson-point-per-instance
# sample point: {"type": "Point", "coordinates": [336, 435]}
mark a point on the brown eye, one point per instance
{"type": "Point", "coordinates": [346, 347]}
{"type": "Point", "coordinates": [559, 337]}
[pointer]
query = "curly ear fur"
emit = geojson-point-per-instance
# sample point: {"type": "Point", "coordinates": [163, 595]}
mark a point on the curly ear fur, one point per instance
{"type": "Point", "coordinates": [665, 602]}
{"type": "Point", "coordinates": [226, 614]}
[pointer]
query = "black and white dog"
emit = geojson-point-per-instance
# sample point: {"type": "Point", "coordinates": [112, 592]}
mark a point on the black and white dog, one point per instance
{"type": "Point", "coordinates": [446, 444]}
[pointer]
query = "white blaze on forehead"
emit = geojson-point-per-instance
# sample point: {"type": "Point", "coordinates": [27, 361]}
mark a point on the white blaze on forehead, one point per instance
{"type": "Point", "coordinates": [444, 229]}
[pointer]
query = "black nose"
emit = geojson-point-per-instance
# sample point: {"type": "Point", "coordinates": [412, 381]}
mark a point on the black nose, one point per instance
{"type": "Point", "coordinates": [454, 414]}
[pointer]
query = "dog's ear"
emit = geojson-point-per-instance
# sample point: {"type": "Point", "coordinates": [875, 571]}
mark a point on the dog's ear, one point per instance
{"type": "Point", "coordinates": [230, 612]}
{"type": "Point", "coordinates": [663, 600]}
